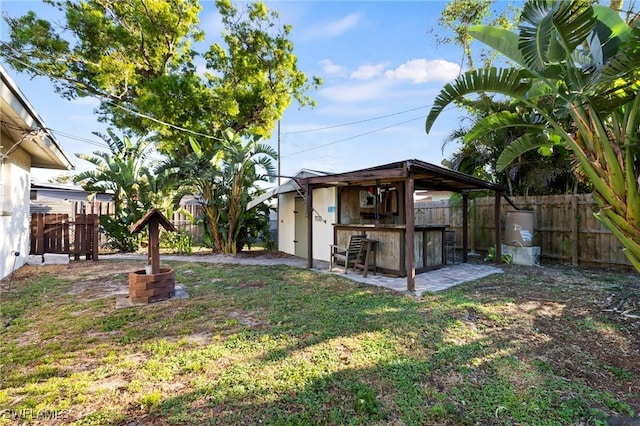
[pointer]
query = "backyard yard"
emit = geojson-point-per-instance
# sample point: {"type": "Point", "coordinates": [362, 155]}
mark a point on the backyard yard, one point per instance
{"type": "Point", "coordinates": [283, 345]}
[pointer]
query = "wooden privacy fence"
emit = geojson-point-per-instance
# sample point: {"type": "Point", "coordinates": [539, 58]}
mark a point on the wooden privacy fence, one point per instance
{"type": "Point", "coordinates": [56, 233]}
{"type": "Point", "coordinates": [565, 229]}
{"type": "Point", "coordinates": [182, 220]}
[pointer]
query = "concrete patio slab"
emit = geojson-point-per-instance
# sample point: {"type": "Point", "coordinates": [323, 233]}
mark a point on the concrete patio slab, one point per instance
{"type": "Point", "coordinates": [432, 281]}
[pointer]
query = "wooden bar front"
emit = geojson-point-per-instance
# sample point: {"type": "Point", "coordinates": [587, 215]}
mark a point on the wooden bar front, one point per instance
{"type": "Point", "coordinates": [390, 250]}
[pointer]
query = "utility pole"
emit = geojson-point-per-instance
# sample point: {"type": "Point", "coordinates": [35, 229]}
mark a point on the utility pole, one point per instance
{"type": "Point", "coordinates": [279, 171]}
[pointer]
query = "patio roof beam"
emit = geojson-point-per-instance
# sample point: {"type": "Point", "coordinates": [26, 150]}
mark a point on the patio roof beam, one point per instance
{"type": "Point", "coordinates": [368, 175]}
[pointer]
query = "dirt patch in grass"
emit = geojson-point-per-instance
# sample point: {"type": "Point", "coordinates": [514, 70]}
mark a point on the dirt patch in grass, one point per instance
{"type": "Point", "coordinates": [75, 271]}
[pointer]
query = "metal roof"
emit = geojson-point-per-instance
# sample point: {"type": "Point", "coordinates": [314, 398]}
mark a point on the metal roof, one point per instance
{"type": "Point", "coordinates": [425, 175]}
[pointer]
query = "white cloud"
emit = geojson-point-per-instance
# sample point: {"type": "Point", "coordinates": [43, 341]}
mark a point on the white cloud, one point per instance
{"type": "Point", "coordinates": [336, 28]}
{"type": "Point", "coordinates": [366, 72]}
{"type": "Point", "coordinates": [333, 29]}
{"type": "Point", "coordinates": [331, 68]}
{"type": "Point", "coordinates": [422, 71]}
{"type": "Point", "coordinates": [355, 92]}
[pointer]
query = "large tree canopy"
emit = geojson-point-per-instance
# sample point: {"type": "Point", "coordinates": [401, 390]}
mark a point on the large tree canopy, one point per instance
{"type": "Point", "coordinates": [138, 58]}
{"type": "Point", "coordinates": [112, 49]}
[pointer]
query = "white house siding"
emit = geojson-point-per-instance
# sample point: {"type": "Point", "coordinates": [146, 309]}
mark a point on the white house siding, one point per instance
{"type": "Point", "coordinates": [15, 218]}
{"type": "Point", "coordinates": [324, 216]}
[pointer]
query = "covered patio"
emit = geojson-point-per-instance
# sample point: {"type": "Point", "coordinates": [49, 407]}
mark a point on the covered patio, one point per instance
{"type": "Point", "coordinates": [379, 202]}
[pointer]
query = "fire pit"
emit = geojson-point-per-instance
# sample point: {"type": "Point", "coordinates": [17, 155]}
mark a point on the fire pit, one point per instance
{"type": "Point", "coordinates": [152, 284]}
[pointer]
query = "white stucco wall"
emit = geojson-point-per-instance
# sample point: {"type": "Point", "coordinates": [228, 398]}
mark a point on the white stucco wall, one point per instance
{"type": "Point", "coordinates": [15, 218]}
{"type": "Point", "coordinates": [324, 200]}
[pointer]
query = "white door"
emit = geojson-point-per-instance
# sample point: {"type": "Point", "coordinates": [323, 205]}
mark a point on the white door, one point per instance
{"type": "Point", "coordinates": [300, 234]}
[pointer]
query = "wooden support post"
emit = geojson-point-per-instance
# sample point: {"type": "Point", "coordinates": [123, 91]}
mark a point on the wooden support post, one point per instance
{"type": "Point", "coordinates": [309, 211]}
{"type": "Point", "coordinates": [409, 234]}
{"type": "Point", "coordinates": [154, 246]}
{"type": "Point", "coordinates": [497, 213]}
{"type": "Point", "coordinates": [465, 227]}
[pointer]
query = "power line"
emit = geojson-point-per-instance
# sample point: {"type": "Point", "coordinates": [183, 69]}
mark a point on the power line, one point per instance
{"type": "Point", "coordinates": [363, 134]}
{"type": "Point", "coordinates": [356, 122]}
{"type": "Point", "coordinates": [105, 99]}
{"type": "Point", "coordinates": [78, 138]}
{"type": "Point", "coordinates": [353, 137]}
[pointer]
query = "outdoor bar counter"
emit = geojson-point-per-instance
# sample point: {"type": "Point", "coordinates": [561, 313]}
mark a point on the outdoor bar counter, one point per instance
{"type": "Point", "coordinates": [390, 247]}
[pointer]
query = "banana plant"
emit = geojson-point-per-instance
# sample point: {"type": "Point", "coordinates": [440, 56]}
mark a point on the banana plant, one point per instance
{"type": "Point", "coordinates": [575, 79]}
{"type": "Point", "coordinates": [244, 163]}
{"type": "Point", "coordinates": [123, 171]}
{"type": "Point", "coordinates": [224, 181]}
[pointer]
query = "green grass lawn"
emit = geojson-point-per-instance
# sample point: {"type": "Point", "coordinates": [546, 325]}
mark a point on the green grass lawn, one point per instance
{"type": "Point", "coordinates": [286, 346]}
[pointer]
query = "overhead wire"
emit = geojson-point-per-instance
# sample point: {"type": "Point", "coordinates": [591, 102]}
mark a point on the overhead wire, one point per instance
{"type": "Point", "coordinates": [145, 116]}
{"type": "Point", "coordinates": [105, 99]}
{"type": "Point", "coordinates": [353, 137]}
{"type": "Point", "coordinates": [78, 138]}
{"type": "Point", "coordinates": [356, 122]}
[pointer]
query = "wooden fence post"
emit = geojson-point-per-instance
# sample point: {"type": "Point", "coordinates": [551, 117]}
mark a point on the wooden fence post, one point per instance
{"type": "Point", "coordinates": [95, 238]}
{"type": "Point", "coordinates": [575, 232]}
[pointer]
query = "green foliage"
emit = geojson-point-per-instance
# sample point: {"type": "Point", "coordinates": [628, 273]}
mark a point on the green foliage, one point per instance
{"type": "Point", "coordinates": [225, 182]}
{"type": "Point", "coordinates": [119, 236]}
{"type": "Point", "coordinates": [123, 172]}
{"type": "Point", "coordinates": [256, 228]}
{"type": "Point", "coordinates": [139, 60]}
{"type": "Point", "coordinates": [491, 256]}
{"type": "Point", "coordinates": [481, 144]}
{"type": "Point", "coordinates": [151, 399]}
{"type": "Point", "coordinates": [577, 70]}
{"type": "Point", "coordinates": [459, 15]}
{"type": "Point", "coordinates": [177, 242]}
{"type": "Point", "coordinates": [112, 50]}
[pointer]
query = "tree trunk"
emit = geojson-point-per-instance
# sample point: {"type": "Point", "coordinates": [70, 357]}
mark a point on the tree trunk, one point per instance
{"type": "Point", "coordinates": [212, 220]}
{"type": "Point", "coordinates": [235, 205]}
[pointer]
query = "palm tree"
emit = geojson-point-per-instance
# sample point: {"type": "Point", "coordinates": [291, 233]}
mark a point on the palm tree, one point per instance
{"type": "Point", "coordinates": [119, 171]}
{"type": "Point", "coordinates": [224, 183]}
{"type": "Point", "coordinates": [243, 165]}
{"type": "Point", "coordinates": [123, 171]}
{"type": "Point", "coordinates": [586, 59]}
{"type": "Point", "coordinates": [531, 174]}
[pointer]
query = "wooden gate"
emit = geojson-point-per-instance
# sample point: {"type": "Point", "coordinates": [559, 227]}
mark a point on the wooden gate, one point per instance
{"type": "Point", "coordinates": [55, 233]}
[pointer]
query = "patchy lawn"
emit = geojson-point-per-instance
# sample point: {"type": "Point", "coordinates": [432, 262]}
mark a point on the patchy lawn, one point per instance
{"type": "Point", "coordinates": [280, 345]}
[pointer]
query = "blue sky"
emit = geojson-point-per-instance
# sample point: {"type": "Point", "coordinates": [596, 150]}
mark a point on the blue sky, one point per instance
{"type": "Point", "coordinates": [381, 69]}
